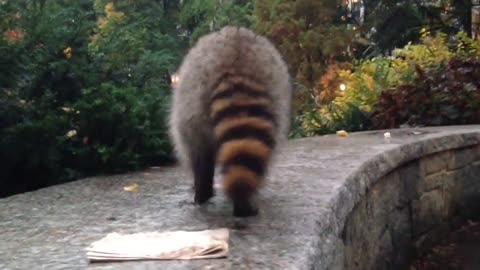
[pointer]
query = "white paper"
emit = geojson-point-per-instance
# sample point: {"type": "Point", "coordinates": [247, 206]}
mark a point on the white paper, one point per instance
{"type": "Point", "coordinates": [181, 245]}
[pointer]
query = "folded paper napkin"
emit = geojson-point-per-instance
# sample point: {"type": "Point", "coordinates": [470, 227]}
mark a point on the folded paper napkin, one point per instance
{"type": "Point", "coordinates": [181, 245]}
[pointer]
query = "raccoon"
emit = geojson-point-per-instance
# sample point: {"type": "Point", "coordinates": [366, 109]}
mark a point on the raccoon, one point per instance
{"type": "Point", "coordinates": [231, 107]}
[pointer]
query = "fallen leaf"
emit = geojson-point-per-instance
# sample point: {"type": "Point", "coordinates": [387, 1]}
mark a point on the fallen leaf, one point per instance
{"type": "Point", "coordinates": [131, 188]}
{"type": "Point", "coordinates": [71, 133]}
{"type": "Point", "coordinates": [342, 133]}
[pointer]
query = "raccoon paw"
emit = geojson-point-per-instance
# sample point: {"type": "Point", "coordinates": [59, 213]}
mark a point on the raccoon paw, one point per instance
{"type": "Point", "coordinates": [244, 209]}
{"type": "Point", "coordinates": [203, 197]}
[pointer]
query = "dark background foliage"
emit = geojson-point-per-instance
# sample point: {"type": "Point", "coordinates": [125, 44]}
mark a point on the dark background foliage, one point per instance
{"type": "Point", "coordinates": [85, 89]}
{"type": "Point", "coordinates": [446, 95]}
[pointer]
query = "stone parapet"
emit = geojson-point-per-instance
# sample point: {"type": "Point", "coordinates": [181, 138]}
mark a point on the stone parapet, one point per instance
{"type": "Point", "coordinates": [355, 202]}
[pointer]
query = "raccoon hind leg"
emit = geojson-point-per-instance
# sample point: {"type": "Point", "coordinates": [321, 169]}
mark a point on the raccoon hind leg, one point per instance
{"type": "Point", "coordinates": [196, 150]}
{"type": "Point", "coordinates": [203, 167]}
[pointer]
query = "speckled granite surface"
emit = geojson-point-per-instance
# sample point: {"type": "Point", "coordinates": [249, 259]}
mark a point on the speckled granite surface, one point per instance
{"type": "Point", "coordinates": [311, 189]}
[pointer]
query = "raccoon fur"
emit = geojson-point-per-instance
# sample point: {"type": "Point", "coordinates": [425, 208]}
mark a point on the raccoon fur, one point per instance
{"type": "Point", "coordinates": [231, 107]}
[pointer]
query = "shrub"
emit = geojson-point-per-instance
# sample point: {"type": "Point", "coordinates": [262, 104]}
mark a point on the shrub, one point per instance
{"type": "Point", "coordinates": [199, 17]}
{"type": "Point", "coordinates": [368, 79]}
{"type": "Point", "coordinates": [41, 74]}
{"type": "Point", "coordinates": [82, 91]}
{"type": "Point", "coordinates": [29, 148]}
{"type": "Point", "coordinates": [448, 95]}
{"type": "Point", "coordinates": [117, 129]}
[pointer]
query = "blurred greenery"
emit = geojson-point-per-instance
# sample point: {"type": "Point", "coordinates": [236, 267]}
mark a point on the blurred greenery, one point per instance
{"type": "Point", "coordinates": [85, 85]}
{"type": "Point", "coordinates": [84, 89]}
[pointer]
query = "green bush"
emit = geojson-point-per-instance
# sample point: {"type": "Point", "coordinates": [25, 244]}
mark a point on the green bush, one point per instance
{"type": "Point", "coordinates": [84, 88]}
{"type": "Point", "coordinates": [199, 17]}
{"type": "Point", "coordinates": [29, 147]}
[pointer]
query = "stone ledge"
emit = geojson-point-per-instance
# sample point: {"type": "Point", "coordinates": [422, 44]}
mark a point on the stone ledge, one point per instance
{"type": "Point", "coordinates": [410, 208]}
{"type": "Point", "coordinates": [311, 192]}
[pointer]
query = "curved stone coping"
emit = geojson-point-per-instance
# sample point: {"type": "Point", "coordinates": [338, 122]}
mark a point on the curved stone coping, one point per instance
{"type": "Point", "coordinates": [313, 187]}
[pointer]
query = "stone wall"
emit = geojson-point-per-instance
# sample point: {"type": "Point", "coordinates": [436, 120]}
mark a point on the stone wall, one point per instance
{"type": "Point", "coordinates": [355, 202]}
{"type": "Point", "coordinates": [407, 210]}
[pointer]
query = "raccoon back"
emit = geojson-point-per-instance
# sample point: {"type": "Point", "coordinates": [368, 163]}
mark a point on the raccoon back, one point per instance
{"type": "Point", "coordinates": [233, 84]}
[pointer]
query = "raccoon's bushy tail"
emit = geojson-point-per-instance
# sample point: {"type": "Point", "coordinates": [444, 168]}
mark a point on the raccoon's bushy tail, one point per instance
{"type": "Point", "coordinates": [244, 125]}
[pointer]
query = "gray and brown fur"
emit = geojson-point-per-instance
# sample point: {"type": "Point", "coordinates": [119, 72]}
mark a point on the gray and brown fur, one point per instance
{"type": "Point", "coordinates": [231, 106]}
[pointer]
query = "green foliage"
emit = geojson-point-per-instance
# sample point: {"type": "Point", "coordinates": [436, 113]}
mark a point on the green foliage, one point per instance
{"type": "Point", "coordinates": [199, 17]}
{"type": "Point", "coordinates": [29, 148]}
{"type": "Point", "coordinates": [39, 79]}
{"type": "Point", "coordinates": [466, 46]}
{"type": "Point", "coordinates": [118, 128]}
{"type": "Point", "coordinates": [331, 118]}
{"type": "Point", "coordinates": [84, 89]}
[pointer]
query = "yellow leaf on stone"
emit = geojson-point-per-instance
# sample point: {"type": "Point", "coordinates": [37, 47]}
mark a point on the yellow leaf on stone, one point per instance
{"type": "Point", "coordinates": [68, 52]}
{"type": "Point", "coordinates": [131, 188]}
{"type": "Point", "coordinates": [71, 133]}
{"type": "Point", "coordinates": [342, 133]}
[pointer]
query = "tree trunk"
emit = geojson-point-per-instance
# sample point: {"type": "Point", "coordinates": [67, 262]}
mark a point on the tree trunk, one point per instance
{"type": "Point", "coordinates": [476, 21]}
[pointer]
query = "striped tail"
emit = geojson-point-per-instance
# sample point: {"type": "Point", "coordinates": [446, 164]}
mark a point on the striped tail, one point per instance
{"type": "Point", "coordinates": [241, 111]}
